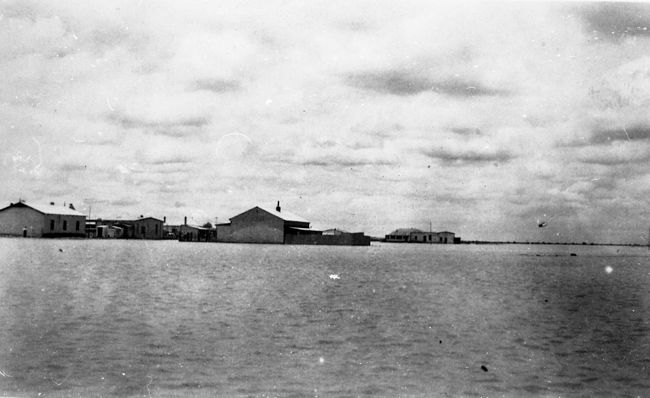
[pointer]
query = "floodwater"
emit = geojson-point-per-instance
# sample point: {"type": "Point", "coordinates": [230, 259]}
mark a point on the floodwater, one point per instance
{"type": "Point", "coordinates": [86, 318]}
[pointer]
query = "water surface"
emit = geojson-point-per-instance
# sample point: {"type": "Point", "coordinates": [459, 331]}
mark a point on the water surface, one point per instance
{"type": "Point", "coordinates": [163, 318]}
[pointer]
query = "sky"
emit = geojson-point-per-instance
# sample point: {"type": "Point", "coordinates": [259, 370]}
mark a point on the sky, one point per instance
{"type": "Point", "coordinates": [484, 119]}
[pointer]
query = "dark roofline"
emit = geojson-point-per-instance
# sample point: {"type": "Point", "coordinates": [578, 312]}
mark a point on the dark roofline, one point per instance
{"type": "Point", "coordinates": [274, 215]}
{"type": "Point", "coordinates": [144, 218]}
{"type": "Point", "coordinates": [124, 220]}
{"type": "Point", "coordinates": [20, 204]}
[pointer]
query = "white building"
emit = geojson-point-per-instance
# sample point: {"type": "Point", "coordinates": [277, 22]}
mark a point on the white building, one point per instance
{"type": "Point", "coordinates": [32, 220]}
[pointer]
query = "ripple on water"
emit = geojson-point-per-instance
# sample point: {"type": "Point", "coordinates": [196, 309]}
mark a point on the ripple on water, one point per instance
{"type": "Point", "coordinates": [119, 318]}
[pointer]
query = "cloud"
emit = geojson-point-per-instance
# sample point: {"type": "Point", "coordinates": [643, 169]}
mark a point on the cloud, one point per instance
{"type": "Point", "coordinates": [617, 153]}
{"type": "Point", "coordinates": [216, 85]}
{"type": "Point", "coordinates": [633, 133]}
{"type": "Point", "coordinates": [174, 160]}
{"type": "Point", "coordinates": [405, 84]}
{"type": "Point", "coordinates": [241, 102]}
{"type": "Point", "coordinates": [124, 202]}
{"type": "Point", "coordinates": [600, 136]}
{"type": "Point", "coordinates": [336, 153]}
{"type": "Point", "coordinates": [616, 21]}
{"type": "Point", "coordinates": [465, 130]}
{"type": "Point", "coordinates": [332, 161]}
{"type": "Point", "coordinates": [106, 38]}
{"type": "Point", "coordinates": [455, 156]}
{"type": "Point", "coordinates": [69, 167]}
{"type": "Point", "coordinates": [133, 122]}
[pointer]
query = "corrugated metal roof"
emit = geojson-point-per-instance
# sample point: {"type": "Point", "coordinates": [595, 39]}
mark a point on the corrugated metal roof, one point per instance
{"type": "Point", "coordinates": [404, 231]}
{"type": "Point", "coordinates": [285, 215]}
{"type": "Point", "coordinates": [52, 209]}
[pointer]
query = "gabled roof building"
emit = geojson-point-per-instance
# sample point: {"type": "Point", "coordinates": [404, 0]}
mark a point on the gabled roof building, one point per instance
{"type": "Point", "coordinates": [414, 235]}
{"type": "Point", "coordinates": [262, 225]}
{"type": "Point", "coordinates": [402, 234]}
{"type": "Point", "coordinates": [37, 220]}
{"type": "Point", "coordinates": [266, 225]}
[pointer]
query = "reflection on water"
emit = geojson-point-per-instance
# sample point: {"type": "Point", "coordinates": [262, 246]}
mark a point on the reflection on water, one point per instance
{"type": "Point", "coordinates": [142, 318]}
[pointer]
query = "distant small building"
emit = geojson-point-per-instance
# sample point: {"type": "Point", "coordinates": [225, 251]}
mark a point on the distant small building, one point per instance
{"type": "Point", "coordinates": [91, 229]}
{"type": "Point", "coordinates": [195, 233]}
{"type": "Point", "coordinates": [109, 232]}
{"type": "Point", "coordinates": [148, 228]}
{"type": "Point", "coordinates": [171, 231]}
{"type": "Point", "coordinates": [413, 235]}
{"type": "Point", "coordinates": [402, 234]}
{"type": "Point", "coordinates": [109, 229]}
{"type": "Point", "coordinates": [446, 237]}
{"type": "Point", "coordinates": [33, 220]}
{"type": "Point", "coordinates": [141, 228]}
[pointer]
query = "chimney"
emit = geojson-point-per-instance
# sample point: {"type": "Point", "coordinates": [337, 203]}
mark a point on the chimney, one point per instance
{"type": "Point", "coordinates": [277, 208]}
{"type": "Point", "coordinates": [185, 221]}
{"type": "Point", "coordinates": [71, 206]}
{"type": "Point", "coordinates": [51, 203]}
{"type": "Point", "coordinates": [164, 219]}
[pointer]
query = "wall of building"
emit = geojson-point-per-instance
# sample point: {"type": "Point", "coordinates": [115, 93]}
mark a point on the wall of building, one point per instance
{"type": "Point", "coordinates": [188, 233]}
{"type": "Point", "coordinates": [432, 237]}
{"type": "Point", "coordinates": [171, 231]}
{"type": "Point", "coordinates": [344, 239]}
{"type": "Point", "coordinates": [253, 226]}
{"type": "Point", "coordinates": [446, 237]}
{"type": "Point", "coordinates": [423, 237]}
{"type": "Point", "coordinates": [147, 228]}
{"type": "Point", "coordinates": [64, 225]}
{"type": "Point", "coordinates": [271, 231]}
{"type": "Point", "coordinates": [14, 219]}
{"type": "Point", "coordinates": [191, 233]}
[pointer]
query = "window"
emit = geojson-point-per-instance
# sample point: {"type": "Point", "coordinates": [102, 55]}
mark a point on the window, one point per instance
{"type": "Point", "coordinates": [156, 229]}
{"type": "Point", "coordinates": [78, 225]}
{"type": "Point", "coordinates": [51, 225]}
{"type": "Point", "coordinates": [65, 225]}
{"type": "Point", "coordinates": [143, 230]}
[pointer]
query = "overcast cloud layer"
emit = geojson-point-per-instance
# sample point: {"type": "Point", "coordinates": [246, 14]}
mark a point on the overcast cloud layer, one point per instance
{"type": "Point", "coordinates": [479, 118]}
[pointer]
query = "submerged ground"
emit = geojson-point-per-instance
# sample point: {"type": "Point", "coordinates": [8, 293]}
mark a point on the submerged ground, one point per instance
{"type": "Point", "coordinates": [163, 318]}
